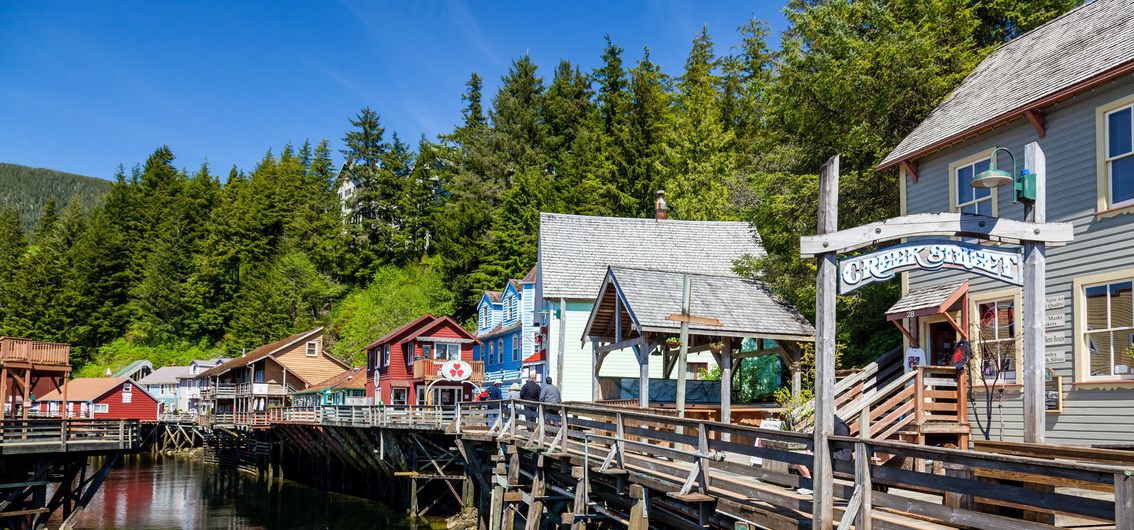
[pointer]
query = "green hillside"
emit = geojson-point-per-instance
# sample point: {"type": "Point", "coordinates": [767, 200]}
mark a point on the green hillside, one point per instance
{"type": "Point", "coordinates": [28, 188]}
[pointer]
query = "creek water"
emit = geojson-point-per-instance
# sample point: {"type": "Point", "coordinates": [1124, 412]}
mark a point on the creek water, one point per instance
{"type": "Point", "coordinates": [177, 493]}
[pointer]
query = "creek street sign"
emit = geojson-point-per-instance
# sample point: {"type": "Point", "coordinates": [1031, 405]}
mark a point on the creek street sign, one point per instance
{"type": "Point", "coordinates": [882, 265]}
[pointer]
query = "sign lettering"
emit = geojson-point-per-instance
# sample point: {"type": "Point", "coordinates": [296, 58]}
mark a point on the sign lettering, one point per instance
{"type": "Point", "coordinates": [882, 265]}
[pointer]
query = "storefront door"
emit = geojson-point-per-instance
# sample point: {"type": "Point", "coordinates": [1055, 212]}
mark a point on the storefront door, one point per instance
{"type": "Point", "coordinates": [942, 340]}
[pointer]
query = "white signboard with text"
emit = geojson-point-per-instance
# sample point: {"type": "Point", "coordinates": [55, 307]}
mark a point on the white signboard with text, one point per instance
{"type": "Point", "coordinates": [882, 265]}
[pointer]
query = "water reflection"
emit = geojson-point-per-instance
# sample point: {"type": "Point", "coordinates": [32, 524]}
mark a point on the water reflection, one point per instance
{"type": "Point", "coordinates": [172, 493]}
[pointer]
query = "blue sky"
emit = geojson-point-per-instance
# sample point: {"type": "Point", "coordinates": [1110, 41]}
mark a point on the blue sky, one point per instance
{"type": "Point", "coordinates": [90, 85]}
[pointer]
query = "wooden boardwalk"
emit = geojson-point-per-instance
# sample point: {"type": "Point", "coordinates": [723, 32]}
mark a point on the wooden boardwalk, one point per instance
{"type": "Point", "coordinates": [710, 468]}
{"type": "Point", "coordinates": [47, 436]}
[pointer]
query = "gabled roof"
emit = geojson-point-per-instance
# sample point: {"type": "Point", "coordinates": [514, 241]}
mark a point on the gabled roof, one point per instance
{"type": "Point", "coordinates": [494, 296]}
{"type": "Point", "coordinates": [437, 323]}
{"type": "Point", "coordinates": [90, 389]}
{"type": "Point", "coordinates": [929, 300]}
{"type": "Point", "coordinates": [515, 286]}
{"type": "Point", "coordinates": [352, 378]}
{"type": "Point", "coordinates": [743, 307]}
{"type": "Point", "coordinates": [417, 322]}
{"type": "Point", "coordinates": [499, 330]}
{"type": "Point", "coordinates": [258, 353]}
{"type": "Point", "coordinates": [575, 250]}
{"type": "Point", "coordinates": [166, 375]}
{"type": "Point", "coordinates": [1070, 54]}
{"type": "Point", "coordinates": [134, 367]}
{"type": "Point", "coordinates": [530, 277]}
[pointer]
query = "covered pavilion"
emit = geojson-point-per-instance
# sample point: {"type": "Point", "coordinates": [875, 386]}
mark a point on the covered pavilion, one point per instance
{"type": "Point", "coordinates": [638, 309]}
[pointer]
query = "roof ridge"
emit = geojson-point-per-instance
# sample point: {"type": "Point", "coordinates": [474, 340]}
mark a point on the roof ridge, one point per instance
{"type": "Point", "coordinates": [639, 219]}
{"type": "Point", "coordinates": [646, 269]}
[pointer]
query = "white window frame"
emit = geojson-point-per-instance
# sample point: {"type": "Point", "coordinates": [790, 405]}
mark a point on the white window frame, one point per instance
{"type": "Point", "coordinates": [1001, 295]}
{"type": "Point", "coordinates": [516, 347]}
{"type": "Point", "coordinates": [1082, 349]}
{"type": "Point", "coordinates": [99, 408]}
{"type": "Point", "coordinates": [127, 387]}
{"type": "Point", "coordinates": [994, 194]}
{"type": "Point", "coordinates": [386, 356]}
{"type": "Point", "coordinates": [311, 349]}
{"type": "Point", "coordinates": [1105, 206]}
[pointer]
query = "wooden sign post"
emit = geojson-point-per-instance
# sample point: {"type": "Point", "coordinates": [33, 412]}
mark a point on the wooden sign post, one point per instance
{"type": "Point", "coordinates": [822, 511]}
{"type": "Point", "coordinates": [1034, 234]}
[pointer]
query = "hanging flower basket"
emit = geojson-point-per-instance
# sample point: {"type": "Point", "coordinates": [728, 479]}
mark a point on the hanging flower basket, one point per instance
{"type": "Point", "coordinates": [673, 343]}
{"type": "Point", "coordinates": [716, 347]}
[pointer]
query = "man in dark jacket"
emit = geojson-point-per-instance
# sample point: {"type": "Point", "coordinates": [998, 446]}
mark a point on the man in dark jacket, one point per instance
{"type": "Point", "coordinates": [530, 392]}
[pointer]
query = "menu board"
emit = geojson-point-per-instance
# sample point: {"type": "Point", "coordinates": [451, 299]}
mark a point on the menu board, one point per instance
{"type": "Point", "coordinates": [1053, 394]}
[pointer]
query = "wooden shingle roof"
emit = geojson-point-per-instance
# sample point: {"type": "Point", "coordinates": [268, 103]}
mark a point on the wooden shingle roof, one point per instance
{"type": "Point", "coordinates": [258, 353]}
{"type": "Point", "coordinates": [575, 250]}
{"type": "Point", "coordinates": [1037, 68]}
{"type": "Point", "coordinates": [744, 307]}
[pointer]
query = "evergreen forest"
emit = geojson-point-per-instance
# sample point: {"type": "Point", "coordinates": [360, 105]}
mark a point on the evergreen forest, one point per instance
{"type": "Point", "coordinates": [175, 263]}
{"type": "Point", "coordinates": [28, 189]}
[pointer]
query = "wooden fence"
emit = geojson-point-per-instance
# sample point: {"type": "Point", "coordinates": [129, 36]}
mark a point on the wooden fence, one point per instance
{"type": "Point", "coordinates": [43, 436]}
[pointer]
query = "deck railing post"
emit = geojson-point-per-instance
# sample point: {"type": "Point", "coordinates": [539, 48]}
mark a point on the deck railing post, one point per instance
{"type": "Point", "coordinates": [862, 455]}
{"type": "Point", "coordinates": [1123, 500]}
{"type": "Point", "coordinates": [512, 416]}
{"type": "Point", "coordinates": [864, 422]}
{"type": "Point", "coordinates": [458, 418]}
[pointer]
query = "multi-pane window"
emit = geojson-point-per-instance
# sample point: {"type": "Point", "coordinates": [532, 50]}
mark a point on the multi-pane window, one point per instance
{"type": "Point", "coordinates": [996, 340]}
{"type": "Point", "coordinates": [447, 351]}
{"type": "Point", "coordinates": [1120, 156]}
{"type": "Point", "coordinates": [1109, 313]}
{"type": "Point", "coordinates": [508, 309]}
{"type": "Point", "coordinates": [970, 199]}
{"type": "Point", "coordinates": [500, 349]}
{"type": "Point", "coordinates": [516, 348]}
{"type": "Point", "coordinates": [386, 355]}
{"type": "Point", "coordinates": [312, 348]}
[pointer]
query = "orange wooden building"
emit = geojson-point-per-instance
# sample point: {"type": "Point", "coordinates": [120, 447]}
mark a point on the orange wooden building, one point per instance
{"type": "Point", "coordinates": [30, 368]}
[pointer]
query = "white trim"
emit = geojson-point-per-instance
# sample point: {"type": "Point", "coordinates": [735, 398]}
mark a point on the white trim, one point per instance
{"type": "Point", "coordinates": [1081, 350]}
{"type": "Point", "coordinates": [307, 350]}
{"type": "Point", "coordinates": [970, 160]}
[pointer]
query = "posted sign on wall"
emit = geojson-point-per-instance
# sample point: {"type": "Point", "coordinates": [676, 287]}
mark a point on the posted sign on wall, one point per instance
{"type": "Point", "coordinates": [882, 265]}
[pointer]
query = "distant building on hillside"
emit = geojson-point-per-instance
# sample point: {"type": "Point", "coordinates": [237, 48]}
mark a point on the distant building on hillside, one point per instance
{"type": "Point", "coordinates": [135, 370]}
{"type": "Point", "coordinates": [247, 386]}
{"type": "Point", "coordinates": [163, 385]}
{"type": "Point", "coordinates": [346, 388]}
{"type": "Point", "coordinates": [511, 345]}
{"type": "Point", "coordinates": [101, 398]}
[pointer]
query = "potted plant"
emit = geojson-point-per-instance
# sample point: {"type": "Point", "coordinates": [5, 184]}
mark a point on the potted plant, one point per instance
{"type": "Point", "coordinates": [716, 346]}
{"type": "Point", "coordinates": [673, 343]}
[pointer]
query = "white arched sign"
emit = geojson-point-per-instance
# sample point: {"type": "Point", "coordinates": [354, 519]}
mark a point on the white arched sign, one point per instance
{"type": "Point", "coordinates": [456, 371]}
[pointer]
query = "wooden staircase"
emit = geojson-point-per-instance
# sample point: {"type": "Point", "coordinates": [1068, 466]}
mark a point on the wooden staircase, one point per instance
{"type": "Point", "coordinates": [925, 406]}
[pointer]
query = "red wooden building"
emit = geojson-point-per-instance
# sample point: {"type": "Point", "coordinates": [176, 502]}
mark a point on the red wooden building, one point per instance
{"type": "Point", "coordinates": [400, 365]}
{"type": "Point", "coordinates": [104, 398]}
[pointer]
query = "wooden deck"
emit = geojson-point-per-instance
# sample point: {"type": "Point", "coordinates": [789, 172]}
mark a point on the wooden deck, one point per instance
{"type": "Point", "coordinates": [42, 436]}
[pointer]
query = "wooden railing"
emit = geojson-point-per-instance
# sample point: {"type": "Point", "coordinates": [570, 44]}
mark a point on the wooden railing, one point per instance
{"type": "Point", "coordinates": [35, 352]}
{"type": "Point", "coordinates": [44, 435]}
{"type": "Point", "coordinates": [219, 391]}
{"type": "Point", "coordinates": [178, 417]}
{"type": "Point", "coordinates": [434, 417]}
{"type": "Point", "coordinates": [430, 370]}
{"type": "Point", "coordinates": [692, 458]}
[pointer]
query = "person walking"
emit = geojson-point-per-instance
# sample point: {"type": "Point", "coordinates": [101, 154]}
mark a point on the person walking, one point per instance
{"type": "Point", "coordinates": [550, 394]}
{"type": "Point", "coordinates": [530, 392]}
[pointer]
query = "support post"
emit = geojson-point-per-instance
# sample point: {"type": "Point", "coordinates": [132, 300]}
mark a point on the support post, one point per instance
{"type": "Point", "coordinates": [562, 343]}
{"type": "Point", "coordinates": [864, 520]}
{"type": "Point", "coordinates": [1035, 277]}
{"type": "Point", "coordinates": [826, 282]}
{"type": "Point", "coordinates": [643, 354]}
{"type": "Point", "coordinates": [66, 406]}
{"type": "Point", "coordinates": [496, 508]}
{"type": "Point", "coordinates": [1123, 500]}
{"type": "Point", "coordinates": [640, 511]}
{"type": "Point", "coordinates": [683, 352]}
{"type": "Point", "coordinates": [726, 384]}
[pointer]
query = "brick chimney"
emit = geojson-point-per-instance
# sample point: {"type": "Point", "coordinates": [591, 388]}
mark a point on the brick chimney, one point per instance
{"type": "Point", "coordinates": [659, 207]}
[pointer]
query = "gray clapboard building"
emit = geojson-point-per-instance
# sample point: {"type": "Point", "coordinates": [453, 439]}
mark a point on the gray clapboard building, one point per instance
{"type": "Point", "coordinates": [1067, 85]}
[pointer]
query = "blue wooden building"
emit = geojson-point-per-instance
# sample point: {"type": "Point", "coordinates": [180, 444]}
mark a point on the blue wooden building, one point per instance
{"type": "Point", "coordinates": [511, 343]}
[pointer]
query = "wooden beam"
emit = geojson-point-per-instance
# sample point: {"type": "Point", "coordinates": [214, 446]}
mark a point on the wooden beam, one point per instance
{"type": "Point", "coordinates": [708, 321]}
{"type": "Point", "coordinates": [960, 330]}
{"type": "Point", "coordinates": [1036, 118]}
{"type": "Point", "coordinates": [902, 328]}
{"type": "Point", "coordinates": [1035, 276]}
{"type": "Point", "coordinates": [910, 167]}
{"type": "Point", "coordinates": [726, 383]}
{"type": "Point", "coordinates": [935, 224]}
{"type": "Point", "coordinates": [621, 345]}
{"type": "Point", "coordinates": [826, 285]}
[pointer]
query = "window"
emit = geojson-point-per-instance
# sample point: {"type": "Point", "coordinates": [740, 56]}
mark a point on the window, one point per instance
{"type": "Point", "coordinates": [485, 323]}
{"type": "Point", "coordinates": [1108, 332]}
{"type": "Point", "coordinates": [127, 387]}
{"type": "Point", "coordinates": [1116, 154]}
{"type": "Point", "coordinates": [398, 396]}
{"type": "Point", "coordinates": [448, 351]}
{"type": "Point", "coordinates": [515, 347]}
{"type": "Point", "coordinates": [696, 370]}
{"type": "Point", "coordinates": [966, 198]}
{"type": "Point", "coordinates": [100, 408]}
{"type": "Point", "coordinates": [995, 348]}
{"type": "Point", "coordinates": [500, 349]}
{"type": "Point", "coordinates": [386, 355]}
{"type": "Point", "coordinates": [127, 397]}
{"type": "Point", "coordinates": [312, 348]}
{"type": "Point", "coordinates": [508, 309]}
